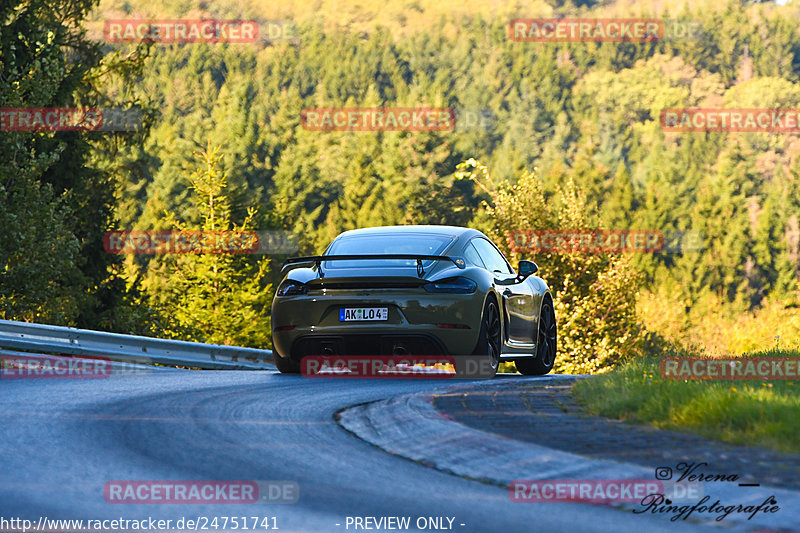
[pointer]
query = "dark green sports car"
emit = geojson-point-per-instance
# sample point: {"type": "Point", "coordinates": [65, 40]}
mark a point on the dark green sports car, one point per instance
{"type": "Point", "coordinates": [413, 290]}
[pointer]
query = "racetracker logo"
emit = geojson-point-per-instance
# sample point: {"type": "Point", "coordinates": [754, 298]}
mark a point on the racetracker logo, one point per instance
{"type": "Point", "coordinates": [582, 490]}
{"type": "Point", "coordinates": [51, 367]}
{"type": "Point", "coordinates": [203, 492]}
{"type": "Point", "coordinates": [586, 241]}
{"type": "Point", "coordinates": [50, 119]}
{"type": "Point", "coordinates": [397, 366]}
{"type": "Point", "coordinates": [600, 490]}
{"type": "Point", "coordinates": [733, 120]}
{"type": "Point", "coordinates": [728, 369]}
{"type": "Point", "coordinates": [180, 31]}
{"type": "Point", "coordinates": [199, 242]}
{"type": "Point", "coordinates": [615, 30]}
{"type": "Point", "coordinates": [378, 119]}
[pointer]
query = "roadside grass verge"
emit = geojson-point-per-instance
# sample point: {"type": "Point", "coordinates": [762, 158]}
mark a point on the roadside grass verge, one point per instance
{"type": "Point", "coordinates": [759, 413]}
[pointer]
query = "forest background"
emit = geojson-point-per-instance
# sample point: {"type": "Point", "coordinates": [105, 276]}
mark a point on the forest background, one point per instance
{"type": "Point", "coordinates": [560, 136]}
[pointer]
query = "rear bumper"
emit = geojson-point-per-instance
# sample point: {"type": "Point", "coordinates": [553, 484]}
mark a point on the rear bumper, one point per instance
{"type": "Point", "coordinates": [413, 327]}
{"type": "Point", "coordinates": [366, 344]}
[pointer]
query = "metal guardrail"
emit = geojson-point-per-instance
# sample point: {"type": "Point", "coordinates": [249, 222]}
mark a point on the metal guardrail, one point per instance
{"type": "Point", "coordinates": [42, 338]}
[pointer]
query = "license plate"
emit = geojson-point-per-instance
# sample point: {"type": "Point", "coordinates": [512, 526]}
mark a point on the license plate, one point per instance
{"type": "Point", "coordinates": [361, 314]}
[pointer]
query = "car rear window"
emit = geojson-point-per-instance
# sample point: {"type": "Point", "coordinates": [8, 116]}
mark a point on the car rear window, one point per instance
{"type": "Point", "coordinates": [378, 244]}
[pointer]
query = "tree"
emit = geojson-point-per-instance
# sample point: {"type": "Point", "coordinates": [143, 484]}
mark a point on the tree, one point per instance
{"type": "Point", "coordinates": [212, 297]}
{"type": "Point", "coordinates": [594, 294]}
{"type": "Point", "coordinates": [55, 205]}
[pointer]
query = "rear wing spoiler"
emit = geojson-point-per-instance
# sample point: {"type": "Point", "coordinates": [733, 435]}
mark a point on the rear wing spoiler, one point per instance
{"type": "Point", "coordinates": [318, 259]}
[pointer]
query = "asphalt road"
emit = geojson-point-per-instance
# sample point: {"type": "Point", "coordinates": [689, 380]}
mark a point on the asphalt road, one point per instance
{"type": "Point", "coordinates": [63, 440]}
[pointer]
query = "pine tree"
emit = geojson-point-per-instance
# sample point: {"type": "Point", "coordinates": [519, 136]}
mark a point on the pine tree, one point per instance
{"type": "Point", "coordinates": [214, 297]}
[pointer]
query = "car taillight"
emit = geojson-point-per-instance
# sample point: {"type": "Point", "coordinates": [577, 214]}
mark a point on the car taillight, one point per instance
{"type": "Point", "coordinates": [291, 288]}
{"type": "Point", "coordinates": [458, 285]}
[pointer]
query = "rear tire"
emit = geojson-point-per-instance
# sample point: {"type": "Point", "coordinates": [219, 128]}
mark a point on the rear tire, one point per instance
{"type": "Point", "coordinates": [490, 343]}
{"type": "Point", "coordinates": [546, 345]}
{"type": "Point", "coordinates": [286, 365]}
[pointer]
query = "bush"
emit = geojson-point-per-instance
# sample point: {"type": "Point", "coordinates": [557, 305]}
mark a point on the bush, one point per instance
{"type": "Point", "coordinates": [595, 294]}
{"type": "Point", "coordinates": [713, 326]}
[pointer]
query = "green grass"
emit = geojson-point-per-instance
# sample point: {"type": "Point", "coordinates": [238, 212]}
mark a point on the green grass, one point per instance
{"type": "Point", "coordinates": [765, 414]}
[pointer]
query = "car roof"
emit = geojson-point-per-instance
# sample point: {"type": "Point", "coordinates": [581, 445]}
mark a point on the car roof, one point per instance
{"type": "Point", "coordinates": [450, 231]}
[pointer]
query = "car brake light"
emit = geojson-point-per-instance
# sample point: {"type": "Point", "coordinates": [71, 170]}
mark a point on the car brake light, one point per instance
{"type": "Point", "coordinates": [291, 288]}
{"type": "Point", "coordinates": [457, 285]}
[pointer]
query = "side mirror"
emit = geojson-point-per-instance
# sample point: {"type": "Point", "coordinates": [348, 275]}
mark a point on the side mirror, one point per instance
{"type": "Point", "coordinates": [526, 268]}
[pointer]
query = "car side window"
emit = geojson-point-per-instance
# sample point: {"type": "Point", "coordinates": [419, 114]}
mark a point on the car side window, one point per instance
{"type": "Point", "coordinates": [471, 254]}
{"type": "Point", "coordinates": [494, 260]}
